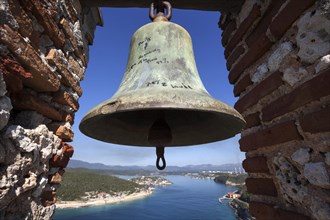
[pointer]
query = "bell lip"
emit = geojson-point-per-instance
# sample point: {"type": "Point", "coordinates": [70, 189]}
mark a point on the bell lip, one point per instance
{"type": "Point", "coordinates": [239, 121]}
{"type": "Point", "coordinates": [232, 112]}
{"type": "Point", "coordinates": [235, 115]}
{"type": "Point", "coordinates": [119, 106]}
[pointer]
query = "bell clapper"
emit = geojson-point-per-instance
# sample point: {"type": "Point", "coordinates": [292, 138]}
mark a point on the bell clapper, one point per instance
{"type": "Point", "coordinates": [160, 134]}
{"type": "Point", "coordinates": [160, 155]}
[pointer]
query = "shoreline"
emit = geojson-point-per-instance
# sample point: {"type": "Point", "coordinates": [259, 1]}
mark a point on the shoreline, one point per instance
{"type": "Point", "coordinates": [97, 202]}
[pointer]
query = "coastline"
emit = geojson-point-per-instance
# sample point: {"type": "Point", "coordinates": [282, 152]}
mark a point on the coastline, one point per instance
{"type": "Point", "coordinates": [96, 202]}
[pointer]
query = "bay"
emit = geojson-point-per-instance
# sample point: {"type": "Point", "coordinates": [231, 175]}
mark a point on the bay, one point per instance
{"type": "Point", "coordinates": [186, 198]}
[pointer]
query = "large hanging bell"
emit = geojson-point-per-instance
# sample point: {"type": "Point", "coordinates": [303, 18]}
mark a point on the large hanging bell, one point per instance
{"type": "Point", "coordinates": [161, 100]}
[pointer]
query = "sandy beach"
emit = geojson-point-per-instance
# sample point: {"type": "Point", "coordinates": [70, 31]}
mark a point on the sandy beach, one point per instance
{"type": "Point", "coordinates": [95, 202]}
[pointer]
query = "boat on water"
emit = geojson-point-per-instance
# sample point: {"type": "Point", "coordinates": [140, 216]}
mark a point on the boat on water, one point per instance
{"type": "Point", "coordinates": [220, 200]}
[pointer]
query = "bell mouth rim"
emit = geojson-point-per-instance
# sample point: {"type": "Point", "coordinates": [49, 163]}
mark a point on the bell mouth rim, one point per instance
{"type": "Point", "coordinates": [161, 99]}
{"type": "Point", "coordinates": [238, 127]}
{"type": "Point", "coordinates": [172, 108]}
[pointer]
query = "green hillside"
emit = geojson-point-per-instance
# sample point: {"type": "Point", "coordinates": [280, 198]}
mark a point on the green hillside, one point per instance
{"type": "Point", "coordinates": [78, 181]}
{"type": "Point", "coordinates": [233, 178]}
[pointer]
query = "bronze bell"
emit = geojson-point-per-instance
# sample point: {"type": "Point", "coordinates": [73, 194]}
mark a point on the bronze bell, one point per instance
{"type": "Point", "coordinates": [161, 100]}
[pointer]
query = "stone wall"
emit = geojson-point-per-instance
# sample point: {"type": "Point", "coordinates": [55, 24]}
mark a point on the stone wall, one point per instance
{"type": "Point", "coordinates": [278, 57]}
{"type": "Point", "coordinates": [43, 56]}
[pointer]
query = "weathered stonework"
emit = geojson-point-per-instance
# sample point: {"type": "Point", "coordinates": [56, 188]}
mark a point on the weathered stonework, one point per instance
{"type": "Point", "coordinates": [282, 78]}
{"type": "Point", "coordinates": [5, 103]}
{"type": "Point", "coordinates": [278, 57]}
{"type": "Point", "coordinates": [43, 56]}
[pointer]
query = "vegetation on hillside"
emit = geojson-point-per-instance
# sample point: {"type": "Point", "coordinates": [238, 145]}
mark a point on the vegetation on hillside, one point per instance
{"type": "Point", "coordinates": [245, 196]}
{"type": "Point", "coordinates": [78, 181]}
{"type": "Point", "coordinates": [151, 181]}
{"type": "Point", "coordinates": [226, 178]}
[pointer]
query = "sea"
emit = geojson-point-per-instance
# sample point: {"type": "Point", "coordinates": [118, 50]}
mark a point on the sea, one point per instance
{"type": "Point", "coordinates": [185, 199]}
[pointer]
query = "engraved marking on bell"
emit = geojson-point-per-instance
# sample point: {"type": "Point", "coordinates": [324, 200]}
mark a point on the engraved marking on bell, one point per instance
{"type": "Point", "coordinates": [164, 60]}
{"type": "Point", "coordinates": [144, 58]}
{"type": "Point", "coordinates": [149, 52]}
{"type": "Point", "coordinates": [165, 84]}
{"type": "Point", "coordinates": [145, 42]}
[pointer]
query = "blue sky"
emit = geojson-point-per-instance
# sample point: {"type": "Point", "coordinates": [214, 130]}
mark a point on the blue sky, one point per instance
{"type": "Point", "coordinates": [108, 58]}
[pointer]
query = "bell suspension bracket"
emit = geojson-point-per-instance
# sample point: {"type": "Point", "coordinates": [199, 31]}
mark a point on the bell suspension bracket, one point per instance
{"type": "Point", "coordinates": [161, 6]}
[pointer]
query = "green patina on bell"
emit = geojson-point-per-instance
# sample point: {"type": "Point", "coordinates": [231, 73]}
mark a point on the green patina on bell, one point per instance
{"type": "Point", "coordinates": [161, 100]}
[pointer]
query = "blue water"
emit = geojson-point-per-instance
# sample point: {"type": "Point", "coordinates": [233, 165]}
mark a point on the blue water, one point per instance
{"type": "Point", "coordinates": [186, 198]}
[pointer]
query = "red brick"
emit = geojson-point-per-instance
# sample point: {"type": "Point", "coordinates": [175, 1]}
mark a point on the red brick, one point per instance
{"type": "Point", "coordinates": [67, 149]}
{"type": "Point", "coordinates": [44, 16]}
{"type": "Point", "coordinates": [252, 120]}
{"type": "Point", "coordinates": [24, 22]}
{"type": "Point", "coordinates": [264, 23]}
{"type": "Point", "coordinates": [25, 101]}
{"type": "Point", "coordinates": [268, 212]}
{"type": "Point", "coordinates": [244, 26]}
{"type": "Point", "coordinates": [262, 211]}
{"type": "Point", "coordinates": [63, 159]}
{"type": "Point", "coordinates": [76, 68]}
{"type": "Point", "coordinates": [57, 177]}
{"type": "Point", "coordinates": [15, 68]}
{"type": "Point", "coordinates": [72, 13]}
{"type": "Point", "coordinates": [241, 85]}
{"type": "Point", "coordinates": [256, 165]}
{"type": "Point", "coordinates": [317, 121]}
{"type": "Point", "coordinates": [43, 79]}
{"type": "Point", "coordinates": [234, 56]}
{"type": "Point", "coordinates": [270, 136]}
{"type": "Point", "coordinates": [59, 161]}
{"type": "Point", "coordinates": [67, 79]}
{"type": "Point", "coordinates": [13, 74]}
{"type": "Point", "coordinates": [267, 86]}
{"type": "Point", "coordinates": [259, 48]}
{"type": "Point", "coordinates": [13, 82]}
{"type": "Point", "coordinates": [64, 133]}
{"type": "Point", "coordinates": [65, 98]}
{"type": "Point", "coordinates": [309, 91]}
{"type": "Point", "coordinates": [285, 214]}
{"type": "Point", "coordinates": [69, 118]}
{"type": "Point", "coordinates": [70, 36]}
{"type": "Point", "coordinates": [227, 32]}
{"type": "Point", "coordinates": [261, 186]}
{"type": "Point", "coordinates": [283, 20]}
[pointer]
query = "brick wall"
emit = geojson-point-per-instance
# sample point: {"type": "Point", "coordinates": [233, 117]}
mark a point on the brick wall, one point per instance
{"type": "Point", "coordinates": [278, 57]}
{"type": "Point", "coordinates": [43, 57]}
{"type": "Point", "coordinates": [278, 60]}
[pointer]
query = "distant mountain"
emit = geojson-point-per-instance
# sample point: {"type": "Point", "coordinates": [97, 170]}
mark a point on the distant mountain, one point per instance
{"type": "Point", "coordinates": [189, 168]}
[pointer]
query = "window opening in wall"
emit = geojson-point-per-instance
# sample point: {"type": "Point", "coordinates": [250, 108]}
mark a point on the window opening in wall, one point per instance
{"type": "Point", "coordinates": [108, 59]}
